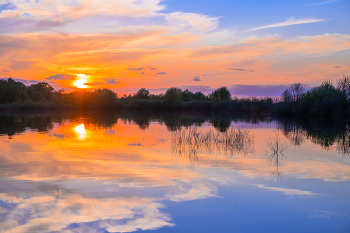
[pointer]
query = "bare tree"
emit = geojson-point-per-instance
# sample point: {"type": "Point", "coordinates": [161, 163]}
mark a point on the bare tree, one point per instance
{"type": "Point", "coordinates": [287, 96]}
{"type": "Point", "coordinates": [343, 83]}
{"type": "Point", "coordinates": [296, 90]}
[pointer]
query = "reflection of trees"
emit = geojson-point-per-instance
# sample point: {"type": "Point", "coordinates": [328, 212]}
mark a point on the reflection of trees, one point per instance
{"type": "Point", "coordinates": [11, 125]}
{"type": "Point", "coordinates": [274, 154]}
{"type": "Point", "coordinates": [343, 142]}
{"type": "Point", "coordinates": [189, 142]}
{"type": "Point", "coordinates": [294, 134]}
{"type": "Point", "coordinates": [221, 124]}
{"type": "Point", "coordinates": [173, 121]}
{"type": "Point", "coordinates": [328, 135]}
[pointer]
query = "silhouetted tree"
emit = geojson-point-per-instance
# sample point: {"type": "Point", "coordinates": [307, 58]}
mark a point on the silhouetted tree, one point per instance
{"type": "Point", "coordinates": [143, 93]}
{"type": "Point", "coordinates": [296, 90]}
{"type": "Point", "coordinates": [343, 83]}
{"type": "Point", "coordinates": [287, 96]}
{"type": "Point", "coordinates": [104, 98]}
{"type": "Point", "coordinates": [200, 96]}
{"type": "Point", "coordinates": [221, 94]}
{"type": "Point", "coordinates": [40, 91]}
{"type": "Point", "coordinates": [12, 91]}
{"type": "Point", "coordinates": [173, 95]}
{"type": "Point", "coordinates": [187, 95]}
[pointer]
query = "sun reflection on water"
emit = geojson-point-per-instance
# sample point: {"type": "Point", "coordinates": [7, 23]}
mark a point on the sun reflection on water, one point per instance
{"type": "Point", "coordinates": [80, 130]}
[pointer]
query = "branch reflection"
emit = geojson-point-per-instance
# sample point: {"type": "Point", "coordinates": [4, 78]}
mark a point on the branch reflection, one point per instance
{"type": "Point", "coordinates": [274, 154]}
{"type": "Point", "coordinates": [189, 142]}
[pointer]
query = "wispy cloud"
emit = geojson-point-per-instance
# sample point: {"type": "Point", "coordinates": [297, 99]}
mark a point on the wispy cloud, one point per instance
{"type": "Point", "coordinates": [136, 68]}
{"type": "Point", "coordinates": [61, 77]}
{"type": "Point", "coordinates": [110, 81]}
{"type": "Point", "coordinates": [321, 3]}
{"type": "Point", "coordinates": [289, 22]}
{"type": "Point", "coordinates": [291, 192]}
{"type": "Point", "coordinates": [237, 69]}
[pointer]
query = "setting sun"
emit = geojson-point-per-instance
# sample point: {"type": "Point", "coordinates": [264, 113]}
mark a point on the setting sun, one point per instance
{"type": "Point", "coordinates": [80, 82]}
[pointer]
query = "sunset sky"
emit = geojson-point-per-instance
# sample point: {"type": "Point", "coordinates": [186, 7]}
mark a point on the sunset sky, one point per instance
{"type": "Point", "coordinates": [253, 47]}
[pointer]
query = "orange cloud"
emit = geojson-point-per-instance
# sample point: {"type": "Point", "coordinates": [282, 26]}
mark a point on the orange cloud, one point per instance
{"type": "Point", "coordinates": [106, 56]}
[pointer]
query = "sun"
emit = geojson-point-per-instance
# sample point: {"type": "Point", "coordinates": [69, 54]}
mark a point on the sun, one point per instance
{"type": "Point", "coordinates": [81, 81]}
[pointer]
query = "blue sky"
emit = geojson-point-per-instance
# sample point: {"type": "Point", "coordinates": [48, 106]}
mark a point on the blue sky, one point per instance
{"type": "Point", "coordinates": [243, 15]}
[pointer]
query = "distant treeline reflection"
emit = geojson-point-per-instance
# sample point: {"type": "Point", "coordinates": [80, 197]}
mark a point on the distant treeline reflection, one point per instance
{"type": "Point", "coordinates": [328, 135]}
{"type": "Point", "coordinates": [333, 135]}
{"type": "Point", "coordinates": [11, 124]}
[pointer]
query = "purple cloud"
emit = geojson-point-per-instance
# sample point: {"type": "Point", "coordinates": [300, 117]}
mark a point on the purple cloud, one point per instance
{"type": "Point", "coordinates": [110, 81]}
{"type": "Point", "coordinates": [204, 89]}
{"type": "Point", "coordinates": [258, 90]}
{"type": "Point", "coordinates": [61, 77]}
{"type": "Point", "coordinates": [136, 68]}
{"type": "Point", "coordinates": [237, 69]}
{"type": "Point", "coordinates": [25, 82]}
{"type": "Point", "coordinates": [196, 79]}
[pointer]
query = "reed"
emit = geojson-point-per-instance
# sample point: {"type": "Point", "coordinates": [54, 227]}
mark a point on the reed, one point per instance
{"type": "Point", "coordinates": [191, 141]}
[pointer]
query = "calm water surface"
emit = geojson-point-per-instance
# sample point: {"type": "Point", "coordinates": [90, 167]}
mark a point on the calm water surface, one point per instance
{"type": "Point", "coordinates": [126, 172]}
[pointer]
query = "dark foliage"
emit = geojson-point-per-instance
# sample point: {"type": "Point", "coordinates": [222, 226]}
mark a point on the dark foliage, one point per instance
{"type": "Point", "coordinates": [327, 134]}
{"type": "Point", "coordinates": [143, 93]}
{"type": "Point", "coordinates": [324, 101]}
{"type": "Point", "coordinates": [221, 94]}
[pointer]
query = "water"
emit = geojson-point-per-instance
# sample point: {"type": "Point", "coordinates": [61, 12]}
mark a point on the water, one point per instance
{"type": "Point", "coordinates": [126, 172]}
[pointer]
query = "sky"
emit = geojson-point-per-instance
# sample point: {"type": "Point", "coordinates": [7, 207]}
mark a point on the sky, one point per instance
{"type": "Point", "coordinates": [255, 48]}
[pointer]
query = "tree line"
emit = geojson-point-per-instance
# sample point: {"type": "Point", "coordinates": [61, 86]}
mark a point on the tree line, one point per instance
{"type": "Point", "coordinates": [326, 100]}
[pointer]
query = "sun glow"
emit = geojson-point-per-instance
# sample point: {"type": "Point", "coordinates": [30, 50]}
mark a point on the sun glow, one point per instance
{"type": "Point", "coordinates": [80, 82]}
{"type": "Point", "coordinates": [80, 130]}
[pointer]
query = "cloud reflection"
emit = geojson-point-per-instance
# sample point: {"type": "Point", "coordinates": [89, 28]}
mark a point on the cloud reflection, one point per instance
{"type": "Point", "coordinates": [73, 182]}
{"type": "Point", "coordinates": [71, 212]}
{"type": "Point", "coordinates": [286, 191]}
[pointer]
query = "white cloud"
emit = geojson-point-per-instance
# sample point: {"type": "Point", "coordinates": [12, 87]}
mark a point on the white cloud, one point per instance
{"type": "Point", "coordinates": [56, 211]}
{"type": "Point", "coordinates": [192, 21]}
{"type": "Point", "coordinates": [291, 192]}
{"type": "Point", "coordinates": [195, 191]}
{"type": "Point", "coordinates": [289, 22]}
{"type": "Point", "coordinates": [67, 10]}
